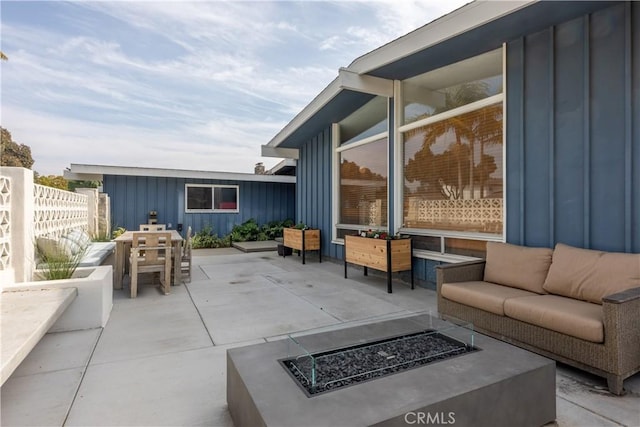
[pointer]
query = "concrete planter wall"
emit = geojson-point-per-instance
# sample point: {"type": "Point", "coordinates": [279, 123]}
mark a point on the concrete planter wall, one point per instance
{"type": "Point", "coordinates": [91, 308]}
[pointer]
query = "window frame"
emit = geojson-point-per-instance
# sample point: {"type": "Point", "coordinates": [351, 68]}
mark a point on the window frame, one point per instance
{"type": "Point", "coordinates": [442, 255]}
{"type": "Point", "coordinates": [338, 146]}
{"type": "Point", "coordinates": [213, 201]}
{"type": "Point", "coordinates": [337, 149]}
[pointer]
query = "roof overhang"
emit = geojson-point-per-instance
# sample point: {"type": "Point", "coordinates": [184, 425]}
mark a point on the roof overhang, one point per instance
{"type": "Point", "coordinates": [346, 90]}
{"type": "Point", "coordinates": [284, 167]}
{"type": "Point", "coordinates": [473, 29]}
{"type": "Point", "coordinates": [97, 173]}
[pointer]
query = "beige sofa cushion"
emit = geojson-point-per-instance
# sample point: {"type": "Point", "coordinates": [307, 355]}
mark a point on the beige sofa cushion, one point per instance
{"type": "Point", "coordinates": [590, 275]}
{"type": "Point", "coordinates": [517, 266]}
{"type": "Point", "coordinates": [485, 296]}
{"type": "Point", "coordinates": [569, 316]}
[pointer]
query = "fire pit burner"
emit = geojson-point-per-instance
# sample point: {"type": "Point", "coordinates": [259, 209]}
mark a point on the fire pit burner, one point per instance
{"type": "Point", "coordinates": [330, 370]}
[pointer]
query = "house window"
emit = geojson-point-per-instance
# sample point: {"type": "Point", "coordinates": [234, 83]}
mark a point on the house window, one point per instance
{"type": "Point", "coordinates": [211, 198]}
{"type": "Point", "coordinates": [361, 165]}
{"type": "Point", "coordinates": [363, 185]}
{"type": "Point", "coordinates": [453, 155]}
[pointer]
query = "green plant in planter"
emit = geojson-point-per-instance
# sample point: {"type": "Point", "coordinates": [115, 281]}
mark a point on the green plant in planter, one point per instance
{"type": "Point", "coordinates": [118, 231]}
{"type": "Point", "coordinates": [101, 237]}
{"type": "Point", "coordinates": [301, 226]}
{"type": "Point", "coordinates": [57, 261]}
{"type": "Point", "coordinates": [379, 234]}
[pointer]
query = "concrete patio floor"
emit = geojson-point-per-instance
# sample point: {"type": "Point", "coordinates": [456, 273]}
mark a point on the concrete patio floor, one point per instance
{"type": "Point", "coordinates": [160, 360]}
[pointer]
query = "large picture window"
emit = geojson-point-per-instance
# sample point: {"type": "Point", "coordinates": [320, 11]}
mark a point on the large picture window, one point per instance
{"type": "Point", "coordinates": [363, 185]}
{"type": "Point", "coordinates": [211, 198]}
{"type": "Point", "coordinates": [453, 154]}
{"type": "Point", "coordinates": [361, 163]}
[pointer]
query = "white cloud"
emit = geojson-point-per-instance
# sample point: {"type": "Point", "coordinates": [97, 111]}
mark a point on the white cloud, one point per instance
{"type": "Point", "coordinates": [56, 142]}
{"type": "Point", "coordinates": [179, 84]}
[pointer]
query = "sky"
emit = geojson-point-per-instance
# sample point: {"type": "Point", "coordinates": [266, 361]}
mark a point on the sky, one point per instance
{"type": "Point", "coordinates": [181, 85]}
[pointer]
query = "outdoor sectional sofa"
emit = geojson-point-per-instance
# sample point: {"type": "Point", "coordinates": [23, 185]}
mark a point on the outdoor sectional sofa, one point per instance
{"type": "Point", "coordinates": [78, 242]}
{"type": "Point", "coordinates": [577, 306]}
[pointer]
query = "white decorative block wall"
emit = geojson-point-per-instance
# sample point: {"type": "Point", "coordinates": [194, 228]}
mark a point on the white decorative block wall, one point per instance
{"type": "Point", "coordinates": [57, 211]}
{"type": "Point", "coordinates": [6, 271]}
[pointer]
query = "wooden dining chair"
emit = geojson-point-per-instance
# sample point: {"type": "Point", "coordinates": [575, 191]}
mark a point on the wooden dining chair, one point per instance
{"type": "Point", "coordinates": [151, 252]}
{"type": "Point", "coordinates": [185, 264]}
{"type": "Point", "coordinates": [153, 227]}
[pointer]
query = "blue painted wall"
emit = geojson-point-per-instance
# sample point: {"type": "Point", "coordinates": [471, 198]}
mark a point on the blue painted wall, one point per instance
{"type": "Point", "coordinates": [572, 146]}
{"type": "Point", "coordinates": [313, 190]}
{"type": "Point", "coordinates": [573, 149]}
{"type": "Point", "coordinates": [133, 197]}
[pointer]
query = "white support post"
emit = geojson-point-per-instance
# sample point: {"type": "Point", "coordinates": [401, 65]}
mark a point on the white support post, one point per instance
{"type": "Point", "coordinates": [21, 214]}
{"type": "Point", "coordinates": [104, 215]}
{"type": "Point", "coordinates": [92, 207]}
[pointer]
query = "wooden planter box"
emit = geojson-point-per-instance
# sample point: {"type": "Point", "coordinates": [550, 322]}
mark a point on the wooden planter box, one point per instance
{"type": "Point", "coordinates": [390, 256]}
{"type": "Point", "coordinates": [303, 240]}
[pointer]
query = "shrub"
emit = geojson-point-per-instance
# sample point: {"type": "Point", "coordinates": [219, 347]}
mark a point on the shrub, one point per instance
{"type": "Point", "coordinates": [206, 238]}
{"type": "Point", "coordinates": [248, 231]}
{"type": "Point", "coordinates": [273, 229]}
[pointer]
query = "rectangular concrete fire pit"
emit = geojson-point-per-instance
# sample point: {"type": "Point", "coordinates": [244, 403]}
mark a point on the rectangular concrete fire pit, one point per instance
{"type": "Point", "coordinates": [499, 385]}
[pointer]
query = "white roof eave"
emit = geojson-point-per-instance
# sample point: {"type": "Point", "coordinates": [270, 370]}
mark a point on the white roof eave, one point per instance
{"type": "Point", "coordinates": [461, 20]}
{"type": "Point", "coordinates": [322, 99]}
{"type": "Point", "coordinates": [80, 170]}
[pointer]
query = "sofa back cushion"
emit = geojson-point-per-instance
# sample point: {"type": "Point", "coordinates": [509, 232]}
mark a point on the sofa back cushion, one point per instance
{"type": "Point", "coordinates": [80, 237]}
{"type": "Point", "coordinates": [517, 266]}
{"type": "Point", "coordinates": [590, 275]}
{"type": "Point", "coordinates": [53, 248]}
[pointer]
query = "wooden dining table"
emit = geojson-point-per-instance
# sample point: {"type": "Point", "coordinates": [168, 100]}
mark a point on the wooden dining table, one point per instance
{"type": "Point", "coordinates": [123, 249]}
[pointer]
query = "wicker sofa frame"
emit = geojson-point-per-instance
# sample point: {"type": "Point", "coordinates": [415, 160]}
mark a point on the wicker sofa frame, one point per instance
{"type": "Point", "coordinates": [615, 359]}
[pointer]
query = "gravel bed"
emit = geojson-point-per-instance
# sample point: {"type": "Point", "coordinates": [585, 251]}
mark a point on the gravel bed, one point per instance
{"type": "Point", "coordinates": [342, 367]}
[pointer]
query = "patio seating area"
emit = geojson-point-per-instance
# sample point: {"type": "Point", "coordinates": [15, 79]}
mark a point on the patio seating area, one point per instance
{"type": "Point", "coordinates": [161, 360]}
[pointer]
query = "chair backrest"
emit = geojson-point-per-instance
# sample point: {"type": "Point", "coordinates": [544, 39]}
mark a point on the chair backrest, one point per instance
{"type": "Point", "coordinates": [152, 245]}
{"type": "Point", "coordinates": [187, 244]}
{"type": "Point", "coordinates": [153, 227]}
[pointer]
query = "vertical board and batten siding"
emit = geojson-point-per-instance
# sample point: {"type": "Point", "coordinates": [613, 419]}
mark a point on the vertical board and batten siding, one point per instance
{"type": "Point", "coordinates": [573, 139]}
{"type": "Point", "coordinates": [132, 197]}
{"type": "Point", "coordinates": [314, 191]}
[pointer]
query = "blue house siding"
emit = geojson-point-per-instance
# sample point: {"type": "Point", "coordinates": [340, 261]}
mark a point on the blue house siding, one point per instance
{"type": "Point", "coordinates": [314, 190]}
{"type": "Point", "coordinates": [573, 168]}
{"type": "Point", "coordinates": [132, 197]}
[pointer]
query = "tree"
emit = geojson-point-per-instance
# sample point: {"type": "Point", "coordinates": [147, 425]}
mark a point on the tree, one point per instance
{"type": "Point", "coordinates": [83, 184]}
{"type": "Point", "coordinates": [54, 181]}
{"type": "Point", "coordinates": [14, 154]}
{"type": "Point", "coordinates": [19, 155]}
